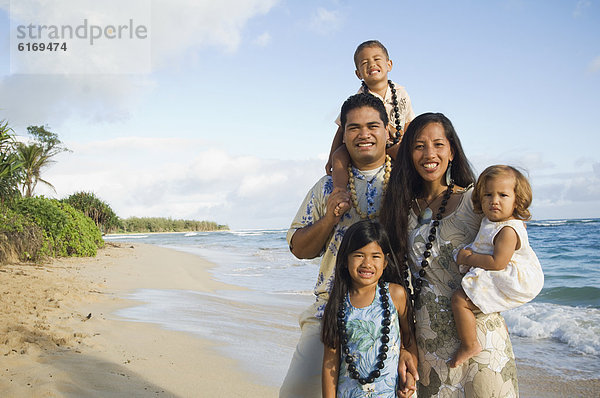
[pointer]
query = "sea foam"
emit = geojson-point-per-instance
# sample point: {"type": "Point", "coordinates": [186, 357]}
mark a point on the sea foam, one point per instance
{"type": "Point", "coordinates": [577, 327]}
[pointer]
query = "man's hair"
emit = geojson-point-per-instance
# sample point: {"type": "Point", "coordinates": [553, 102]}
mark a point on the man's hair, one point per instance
{"type": "Point", "coordinates": [368, 44]}
{"type": "Point", "coordinates": [361, 100]}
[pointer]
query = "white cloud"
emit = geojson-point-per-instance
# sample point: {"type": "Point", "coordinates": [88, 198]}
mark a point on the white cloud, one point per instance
{"type": "Point", "coordinates": [51, 99]}
{"type": "Point", "coordinates": [581, 7]}
{"type": "Point", "coordinates": [325, 21]}
{"type": "Point", "coordinates": [183, 26]}
{"type": "Point", "coordinates": [263, 40]}
{"type": "Point", "coordinates": [185, 179]}
{"type": "Point", "coordinates": [178, 30]}
{"type": "Point", "coordinates": [594, 66]}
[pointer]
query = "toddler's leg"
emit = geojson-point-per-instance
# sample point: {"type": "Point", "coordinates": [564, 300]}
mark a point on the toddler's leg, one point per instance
{"type": "Point", "coordinates": [462, 308]}
{"type": "Point", "coordinates": [340, 161]}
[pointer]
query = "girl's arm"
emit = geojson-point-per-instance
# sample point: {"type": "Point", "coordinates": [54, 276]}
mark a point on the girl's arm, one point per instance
{"type": "Point", "coordinates": [330, 371]}
{"type": "Point", "coordinates": [407, 365]}
{"type": "Point", "coordinates": [505, 244]}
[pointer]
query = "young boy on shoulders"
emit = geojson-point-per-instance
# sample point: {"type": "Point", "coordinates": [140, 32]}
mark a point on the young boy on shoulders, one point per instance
{"type": "Point", "coordinates": [372, 66]}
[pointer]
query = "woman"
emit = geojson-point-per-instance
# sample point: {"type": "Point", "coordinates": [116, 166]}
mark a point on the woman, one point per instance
{"type": "Point", "coordinates": [428, 213]}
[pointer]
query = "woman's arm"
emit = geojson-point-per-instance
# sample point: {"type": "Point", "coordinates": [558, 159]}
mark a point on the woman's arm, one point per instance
{"type": "Point", "coordinates": [330, 371]}
{"type": "Point", "coordinates": [408, 353]}
{"type": "Point", "coordinates": [505, 244]}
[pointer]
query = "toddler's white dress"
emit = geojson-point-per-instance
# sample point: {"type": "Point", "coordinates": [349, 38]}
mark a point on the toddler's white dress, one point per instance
{"type": "Point", "coordinates": [517, 284]}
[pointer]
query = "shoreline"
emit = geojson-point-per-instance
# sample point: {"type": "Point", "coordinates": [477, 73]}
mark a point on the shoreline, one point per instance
{"type": "Point", "coordinates": [49, 346]}
{"type": "Point", "coordinates": [60, 335]}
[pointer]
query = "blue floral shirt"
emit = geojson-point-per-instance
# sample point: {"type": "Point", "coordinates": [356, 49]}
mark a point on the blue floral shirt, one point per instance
{"type": "Point", "coordinates": [369, 191]}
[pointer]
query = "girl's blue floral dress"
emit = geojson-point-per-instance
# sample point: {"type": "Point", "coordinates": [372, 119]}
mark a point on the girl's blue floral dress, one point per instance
{"type": "Point", "coordinates": [364, 332]}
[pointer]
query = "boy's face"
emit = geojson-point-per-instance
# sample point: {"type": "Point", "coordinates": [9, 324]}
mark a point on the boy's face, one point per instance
{"type": "Point", "coordinates": [372, 65]}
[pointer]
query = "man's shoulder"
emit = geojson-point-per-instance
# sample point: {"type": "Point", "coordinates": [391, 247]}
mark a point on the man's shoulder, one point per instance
{"type": "Point", "coordinates": [323, 186]}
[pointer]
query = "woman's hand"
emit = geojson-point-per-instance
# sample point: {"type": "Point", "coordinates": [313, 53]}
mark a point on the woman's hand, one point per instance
{"type": "Point", "coordinates": [409, 388]}
{"type": "Point", "coordinates": [407, 371]}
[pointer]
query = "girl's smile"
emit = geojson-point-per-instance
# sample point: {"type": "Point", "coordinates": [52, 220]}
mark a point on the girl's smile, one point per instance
{"type": "Point", "coordinates": [366, 265]}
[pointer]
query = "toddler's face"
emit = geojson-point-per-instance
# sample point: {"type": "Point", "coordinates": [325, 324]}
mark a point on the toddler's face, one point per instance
{"type": "Point", "coordinates": [372, 65]}
{"type": "Point", "coordinates": [498, 199]}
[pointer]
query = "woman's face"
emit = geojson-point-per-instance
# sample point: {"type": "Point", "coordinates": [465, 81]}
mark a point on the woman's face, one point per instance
{"type": "Point", "coordinates": [431, 153]}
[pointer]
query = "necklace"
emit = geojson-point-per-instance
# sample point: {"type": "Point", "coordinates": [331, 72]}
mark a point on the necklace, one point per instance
{"type": "Point", "coordinates": [386, 179]}
{"type": "Point", "coordinates": [417, 282]}
{"type": "Point", "coordinates": [398, 135]}
{"type": "Point", "coordinates": [426, 214]}
{"type": "Point", "coordinates": [385, 330]}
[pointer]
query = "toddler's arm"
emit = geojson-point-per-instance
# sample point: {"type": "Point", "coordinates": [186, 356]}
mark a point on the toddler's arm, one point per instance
{"type": "Point", "coordinates": [330, 372]}
{"type": "Point", "coordinates": [338, 140]}
{"type": "Point", "coordinates": [505, 244]}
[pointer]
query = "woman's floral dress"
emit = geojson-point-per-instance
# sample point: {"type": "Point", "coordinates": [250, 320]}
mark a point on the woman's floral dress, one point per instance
{"type": "Point", "coordinates": [492, 373]}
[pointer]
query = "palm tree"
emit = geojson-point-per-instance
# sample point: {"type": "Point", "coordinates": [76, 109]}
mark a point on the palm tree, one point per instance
{"type": "Point", "coordinates": [38, 155]}
{"type": "Point", "coordinates": [10, 165]}
{"type": "Point", "coordinates": [34, 159]}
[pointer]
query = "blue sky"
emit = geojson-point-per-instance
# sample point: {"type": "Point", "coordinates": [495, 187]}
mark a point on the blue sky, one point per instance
{"type": "Point", "coordinates": [235, 120]}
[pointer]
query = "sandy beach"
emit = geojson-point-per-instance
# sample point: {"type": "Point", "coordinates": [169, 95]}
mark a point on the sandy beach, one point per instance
{"type": "Point", "coordinates": [60, 337]}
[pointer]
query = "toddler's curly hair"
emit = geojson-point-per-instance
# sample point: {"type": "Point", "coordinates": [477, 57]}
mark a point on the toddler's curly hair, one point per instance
{"type": "Point", "coordinates": [523, 194]}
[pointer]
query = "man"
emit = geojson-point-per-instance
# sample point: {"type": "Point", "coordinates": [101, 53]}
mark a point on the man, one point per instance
{"type": "Point", "coordinates": [318, 230]}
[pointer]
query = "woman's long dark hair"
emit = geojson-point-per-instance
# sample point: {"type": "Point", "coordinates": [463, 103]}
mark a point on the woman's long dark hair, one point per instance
{"type": "Point", "coordinates": [358, 235]}
{"type": "Point", "coordinates": [406, 184]}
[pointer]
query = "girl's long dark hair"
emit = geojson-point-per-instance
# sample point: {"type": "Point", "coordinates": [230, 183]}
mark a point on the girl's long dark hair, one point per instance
{"type": "Point", "coordinates": [406, 184]}
{"type": "Point", "coordinates": [358, 235]}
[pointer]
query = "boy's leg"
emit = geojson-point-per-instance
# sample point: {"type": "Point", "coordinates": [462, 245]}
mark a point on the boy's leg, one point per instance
{"type": "Point", "coordinates": [462, 308]}
{"type": "Point", "coordinates": [338, 141]}
{"type": "Point", "coordinates": [339, 175]}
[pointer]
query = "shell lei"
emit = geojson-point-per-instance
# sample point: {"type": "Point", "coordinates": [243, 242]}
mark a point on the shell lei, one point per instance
{"type": "Point", "coordinates": [353, 196]}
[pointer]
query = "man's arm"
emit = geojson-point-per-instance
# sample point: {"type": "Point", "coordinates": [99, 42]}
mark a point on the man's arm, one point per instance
{"type": "Point", "coordinates": [308, 242]}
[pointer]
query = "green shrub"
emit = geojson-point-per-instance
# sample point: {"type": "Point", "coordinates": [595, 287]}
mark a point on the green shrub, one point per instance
{"type": "Point", "coordinates": [99, 211]}
{"type": "Point", "coordinates": [20, 238]}
{"type": "Point", "coordinates": [68, 232]}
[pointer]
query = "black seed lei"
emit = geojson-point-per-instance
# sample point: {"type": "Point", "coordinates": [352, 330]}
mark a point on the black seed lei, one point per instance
{"type": "Point", "coordinates": [398, 135]}
{"type": "Point", "coordinates": [385, 330]}
{"type": "Point", "coordinates": [417, 282]}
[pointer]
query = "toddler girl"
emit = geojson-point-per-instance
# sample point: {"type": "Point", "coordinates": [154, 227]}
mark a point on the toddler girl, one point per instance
{"type": "Point", "coordinates": [505, 272]}
{"type": "Point", "coordinates": [367, 319]}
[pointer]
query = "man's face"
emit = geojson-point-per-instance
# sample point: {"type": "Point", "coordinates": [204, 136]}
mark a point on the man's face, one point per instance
{"type": "Point", "coordinates": [365, 137]}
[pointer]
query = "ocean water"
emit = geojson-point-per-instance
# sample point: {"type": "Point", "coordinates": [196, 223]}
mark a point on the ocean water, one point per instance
{"type": "Point", "coordinates": [559, 331]}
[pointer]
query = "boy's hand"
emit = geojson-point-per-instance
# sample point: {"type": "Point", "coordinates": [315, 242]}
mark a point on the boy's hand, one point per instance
{"type": "Point", "coordinates": [409, 388]}
{"type": "Point", "coordinates": [463, 255]}
{"type": "Point", "coordinates": [336, 201]}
